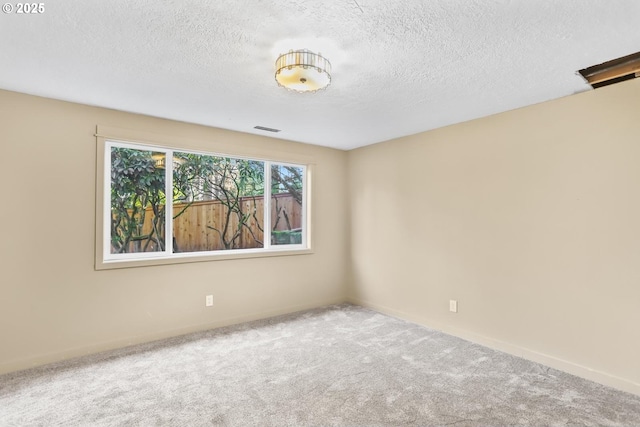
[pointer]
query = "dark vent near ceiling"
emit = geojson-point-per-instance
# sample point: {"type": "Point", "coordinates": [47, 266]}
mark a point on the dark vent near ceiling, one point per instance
{"type": "Point", "coordinates": [614, 71]}
{"type": "Point", "coordinates": [266, 129]}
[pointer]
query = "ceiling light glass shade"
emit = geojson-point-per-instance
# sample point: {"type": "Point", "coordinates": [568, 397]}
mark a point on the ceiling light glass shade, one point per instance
{"type": "Point", "coordinates": [303, 71]}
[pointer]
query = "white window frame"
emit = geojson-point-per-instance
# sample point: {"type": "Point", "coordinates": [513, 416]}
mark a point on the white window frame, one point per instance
{"type": "Point", "coordinates": [106, 260]}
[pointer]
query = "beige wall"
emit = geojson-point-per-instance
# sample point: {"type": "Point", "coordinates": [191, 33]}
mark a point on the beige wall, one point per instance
{"type": "Point", "coordinates": [530, 219]}
{"type": "Point", "coordinates": [53, 304]}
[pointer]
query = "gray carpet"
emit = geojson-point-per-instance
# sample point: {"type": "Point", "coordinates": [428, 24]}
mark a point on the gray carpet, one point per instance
{"type": "Point", "coordinates": [342, 365]}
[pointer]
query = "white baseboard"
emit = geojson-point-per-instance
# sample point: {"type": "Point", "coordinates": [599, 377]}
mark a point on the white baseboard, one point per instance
{"type": "Point", "coordinates": [545, 359]}
{"type": "Point", "coordinates": [515, 350]}
{"type": "Point", "coordinates": [58, 356]}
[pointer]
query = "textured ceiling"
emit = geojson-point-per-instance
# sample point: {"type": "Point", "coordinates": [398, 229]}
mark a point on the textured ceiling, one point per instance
{"type": "Point", "coordinates": [399, 66]}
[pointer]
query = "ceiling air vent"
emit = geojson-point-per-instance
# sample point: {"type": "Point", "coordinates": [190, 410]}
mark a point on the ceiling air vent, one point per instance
{"type": "Point", "coordinates": [266, 129]}
{"type": "Point", "coordinates": [614, 71]}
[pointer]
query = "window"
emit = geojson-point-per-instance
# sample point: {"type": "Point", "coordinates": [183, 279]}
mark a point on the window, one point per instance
{"type": "Point", "coordinates": [161, 203]}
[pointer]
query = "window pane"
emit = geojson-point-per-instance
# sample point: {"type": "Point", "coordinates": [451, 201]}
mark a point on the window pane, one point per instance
{"type": "Point", "coordinates": [286, 204]}
{"type": "Point", "coordinates": [137, 200]}
{"type": "Point", "coordinates": [218, 203]}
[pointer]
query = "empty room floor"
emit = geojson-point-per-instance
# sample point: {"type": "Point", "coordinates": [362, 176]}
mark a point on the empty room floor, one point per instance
{"type": "Point", "coordinates": [342, 365]}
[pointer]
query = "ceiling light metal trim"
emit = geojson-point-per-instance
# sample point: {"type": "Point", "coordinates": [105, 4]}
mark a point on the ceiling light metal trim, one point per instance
{"type": "Point", "coordinates": [303, 71]}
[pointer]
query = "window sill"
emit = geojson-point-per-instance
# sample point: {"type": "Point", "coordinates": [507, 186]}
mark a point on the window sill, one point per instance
{"type": "Point", "coordinates": [183, 258]}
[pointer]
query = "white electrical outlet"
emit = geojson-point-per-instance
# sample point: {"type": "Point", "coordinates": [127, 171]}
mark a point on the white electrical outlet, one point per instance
{"type": "Point", "coordinates": [209, 300]}
{"type": "Point", "coordinates": [453, 305]}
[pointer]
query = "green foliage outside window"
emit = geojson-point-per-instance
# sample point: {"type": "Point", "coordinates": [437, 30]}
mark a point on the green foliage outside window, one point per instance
{"type": "Point", "coordinates": [138, 186]}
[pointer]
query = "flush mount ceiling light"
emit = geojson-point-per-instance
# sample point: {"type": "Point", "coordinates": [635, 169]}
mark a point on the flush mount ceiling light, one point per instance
{"type": "Point", "coordinates": [303, 71]}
